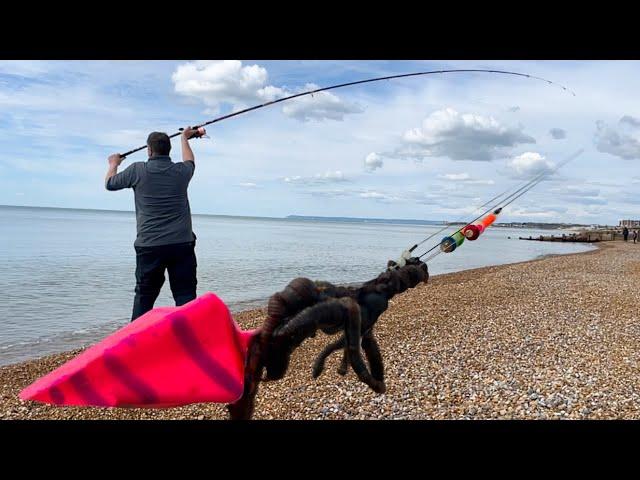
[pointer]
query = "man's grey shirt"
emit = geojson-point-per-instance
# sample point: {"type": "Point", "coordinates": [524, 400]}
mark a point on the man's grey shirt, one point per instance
{"type": "Point", "coordinates": [163, 215]}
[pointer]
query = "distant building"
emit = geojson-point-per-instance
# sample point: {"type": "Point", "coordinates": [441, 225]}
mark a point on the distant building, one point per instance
{"type": "Point", "coordinates": [630, 223]}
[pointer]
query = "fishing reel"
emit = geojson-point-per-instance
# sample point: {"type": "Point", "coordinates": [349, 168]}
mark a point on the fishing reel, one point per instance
{"type": "Point", "coordinates": [405, 259]}
{"type": "Point", "coordinates": [200, 132]}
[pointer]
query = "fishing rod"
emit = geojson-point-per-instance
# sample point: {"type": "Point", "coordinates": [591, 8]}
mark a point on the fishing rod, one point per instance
{"type": "Point", "coordinates": [200, 131]}
{"type": "Point", "coordinates": [449, 244]}
{"type": "Point", "coordinates": [407, 253]}
{"type": "Point", "coordinates": [515, 195]}
{"type": "Point", "coordinates": [529, 184]}
{"type": "Point", "coordinates": [459, 220]}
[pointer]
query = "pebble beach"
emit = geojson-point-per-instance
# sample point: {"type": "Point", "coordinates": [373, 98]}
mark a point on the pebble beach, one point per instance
{"type": "Point", "coordinates": [553, 338]}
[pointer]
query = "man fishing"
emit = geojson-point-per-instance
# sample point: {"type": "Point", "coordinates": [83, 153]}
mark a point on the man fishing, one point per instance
{"type": "Point", "coordinates": [165, 239]}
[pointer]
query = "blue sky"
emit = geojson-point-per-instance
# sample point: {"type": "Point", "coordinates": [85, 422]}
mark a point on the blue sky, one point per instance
{"type": "Point", "coordinates": [429, 147]}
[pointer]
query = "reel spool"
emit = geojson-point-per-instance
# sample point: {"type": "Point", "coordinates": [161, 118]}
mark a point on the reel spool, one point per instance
{"type": "Point", "coordinates": [200, 132]}
{"type": "Point", "coordinates": [474, 230]}
{"type": "Point", "coordinates": [450, 243]}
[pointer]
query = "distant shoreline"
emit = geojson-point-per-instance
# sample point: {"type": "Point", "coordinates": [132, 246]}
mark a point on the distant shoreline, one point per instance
{"type": "Point", "coordinates": [315, 218]}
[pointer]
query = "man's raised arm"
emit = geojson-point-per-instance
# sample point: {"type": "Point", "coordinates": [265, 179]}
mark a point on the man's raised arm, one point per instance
{"type": "Point", "coordinates": [187, 153]}
{"type": "Point", "coordinates": [117, 181]}
{"type": "Point", "coordinates": [114, 162]}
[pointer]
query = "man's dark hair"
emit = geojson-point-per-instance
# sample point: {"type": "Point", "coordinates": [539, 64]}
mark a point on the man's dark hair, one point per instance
{"type": "Point", "coordinates": [159, 142]}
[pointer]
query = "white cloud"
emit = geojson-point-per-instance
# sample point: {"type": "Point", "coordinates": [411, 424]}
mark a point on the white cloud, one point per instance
{"type": "Point", "coordinates": [464, 178]}
{"type": "Point", "coordinates": [447, 133]}
{"type": "Point", "coordinates": [580, 194]}
{"type": "Point", "coordinates": [439, 201]}
{"type": "Point", "coordinates": [372, 162]}
{"type": "Point", "coordinates": [480, 182]}
{"type": "Point", "coordinates": [330, 193]}
{"type": "Point", "coordinates": [247, 185]}
{"type": "Point", "coordinates": [587, 200]}
{"type": "Point", "coordinates": [372, 195]}
{"type": "Point", "coordinates": [605, 184]}
{"type": "Point", "coordinates": [318, 106]}
{"type": "Point", "coordinates": [577, 190]}
{"type": "Point", "coordinates": [623, 142]}
{"type": "Point", "coordinates": [328, 177]}
{"type": "Point", "coordinates": [546, 213]}
{"type": "Point", "coordinates": [229, 82]}
{"type": "Point", "coordinates": [456, 177]}
{"type": "Point", "coordinates": [380, 196]}
{"type": "Point", "coordinates": [375, 195]}
{"type": "Point", "coordinates": [528, 165]}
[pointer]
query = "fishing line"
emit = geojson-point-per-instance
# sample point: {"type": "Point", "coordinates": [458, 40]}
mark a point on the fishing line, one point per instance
{"type": "Point", "coordinates": [459, 220]}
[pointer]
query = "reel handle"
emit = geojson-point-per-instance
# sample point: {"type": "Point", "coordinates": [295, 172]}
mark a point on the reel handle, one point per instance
{"type": "Point", "coordinates": [200, 132]}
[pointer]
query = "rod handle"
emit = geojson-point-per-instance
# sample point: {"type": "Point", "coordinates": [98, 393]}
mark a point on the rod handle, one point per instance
{"type": "Point", "coordinates": [200, 132]}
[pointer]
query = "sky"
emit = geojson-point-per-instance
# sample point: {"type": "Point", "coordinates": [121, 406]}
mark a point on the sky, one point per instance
{"type": "Point", "coordinates": [432, 148]}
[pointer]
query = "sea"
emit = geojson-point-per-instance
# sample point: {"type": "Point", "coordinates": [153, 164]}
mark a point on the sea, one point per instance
{"type": "Point", "coordinates": [67, 275]}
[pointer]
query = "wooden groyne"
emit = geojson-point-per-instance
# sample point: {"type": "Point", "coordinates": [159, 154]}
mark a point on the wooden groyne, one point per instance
{"type": "Point", "coordinates": [568, 238]}
{"type": "Point", "coordinates": [584, 237]}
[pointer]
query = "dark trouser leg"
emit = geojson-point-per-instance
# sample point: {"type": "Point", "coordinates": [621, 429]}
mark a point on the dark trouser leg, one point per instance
{"type": "Point", "coordinates": [149, 279]}
{"type": "Point", "coordinates": [182, 272]}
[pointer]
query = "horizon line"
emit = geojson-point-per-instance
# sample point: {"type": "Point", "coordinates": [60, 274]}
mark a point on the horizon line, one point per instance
{"type": "Point", "coordinates": [226, 215]}
{"type": "Point", "coordinates": [276, 218]}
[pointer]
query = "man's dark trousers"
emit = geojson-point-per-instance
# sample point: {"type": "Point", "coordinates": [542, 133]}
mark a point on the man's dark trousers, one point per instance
{"type": "Point", "coordinates": [179, 260]}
